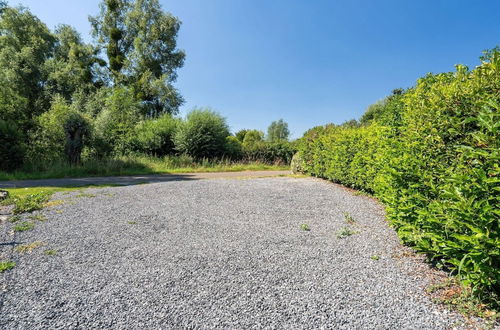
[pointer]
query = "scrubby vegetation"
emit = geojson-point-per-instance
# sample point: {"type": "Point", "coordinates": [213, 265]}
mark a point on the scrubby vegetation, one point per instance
{"type": "Point", "coordinates": [68, 108]}
{"type": "Point", "coordinates": [431, 155]}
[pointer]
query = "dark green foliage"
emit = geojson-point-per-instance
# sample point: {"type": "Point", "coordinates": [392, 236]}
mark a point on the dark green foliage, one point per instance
{"type": "Point", "coordinates": [25, 44]}
{"type": "Point", "coordinates": [431, 154]}
{"type": "Point", "coordinates": [202, 135]}
{"type": "Point", "coordinates": [11, 148]}
{"type": "Point", "coordinates": [270, 153]}
{"type": "Point", "coordinates": [77, 130]}
{"type": "Point", "coordinates": [234, 148]}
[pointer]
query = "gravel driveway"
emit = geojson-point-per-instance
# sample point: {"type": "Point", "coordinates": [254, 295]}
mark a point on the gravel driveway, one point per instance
{"type": "Point", "coordinates": [226, 253]}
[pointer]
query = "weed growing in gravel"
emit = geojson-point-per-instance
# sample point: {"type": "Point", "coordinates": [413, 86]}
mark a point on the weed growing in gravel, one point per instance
{"type": "Point", "coordinates": [375, 257]}
{"type": "Point", "coordinates": [453, 294]}
{"type": "Point", "coordinates": [132, 222]}
{"type": "Point", "coordinates": [31, 202]}
{"type": "Point", "coordinates": [38, 217]}
{"type": "Point", "coordinates": [50, 252]}
{"type": "Point", "coordinates": [53, 203]}
{"type": "Point", "coordinates": [348, 218]}
{"type": "Point", "coordinates": [345, 232]}
{"type": "Point", "coordinates": [6, 265]}
{"type": "Point", "coordinates": [27, 248]}
{"type": "Point", "coordinates": [305, 227]}
{"type": "Point", "coordinates": [24, 226]}
{"type": "Point", "coordinates": [82, 195]}
{"type": "Point", "coordinates": [14, 218]}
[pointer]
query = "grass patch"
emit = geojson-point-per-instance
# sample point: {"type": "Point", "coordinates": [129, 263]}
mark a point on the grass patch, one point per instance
{"type": "Point", "coordinates": [27, 248]}
{"type": "Point", "coordinates": [134, 165]}
{"type": "Point", "coordinates": [305, 227]}
{"type": "Point", "coordinates": [345, 232]}
{"type": "Point", "coordinates": [14, 219]}
{"type": "Point", "coordinates": [50, 252]}
{"type": "Point", "coordinates": [38, 217]}
{"type": "Point", "coordinates": [54, 203]}
{"type": "Point", "coordinates": [24, 226]}
{"type": "Point", "coordinates": [35, 198]}
{"type": "Point", "coordinates": [461, 298]}
{"type": "Point", "coordinates": [85, 195]}
{"type": "Point", "coordinates": [6, 265]}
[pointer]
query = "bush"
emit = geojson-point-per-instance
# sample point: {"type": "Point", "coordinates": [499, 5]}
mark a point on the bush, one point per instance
{"type": "Point", "coordinates": [59, 136]}
{"type": "Point", "coordinates": [234, 148]}
{"type": "Point", "coordinates": [155, 136]}
{"type": "Point", "coordinates": [269, 153]}
{"type": "Point", "coordinates": [202, 135]}
{"type": "Point", "coordinates": [11, 148]}
{"type": "Point", "coordinates": [114, 125]}
{"type": "Point", "coordinates": [431, 154]}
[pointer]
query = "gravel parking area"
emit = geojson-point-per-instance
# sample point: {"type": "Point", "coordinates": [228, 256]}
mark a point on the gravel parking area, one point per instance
{"type": "Point", "coordinates": [225, 253]}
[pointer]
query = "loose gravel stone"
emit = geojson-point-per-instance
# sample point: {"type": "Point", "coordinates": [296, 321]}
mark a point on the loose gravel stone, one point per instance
{"type": "Point", "coordinates": [215, 254]}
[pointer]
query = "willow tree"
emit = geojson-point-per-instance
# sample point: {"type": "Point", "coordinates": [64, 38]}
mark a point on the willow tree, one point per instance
{"type": "Point", "coordinates": [140, 40]}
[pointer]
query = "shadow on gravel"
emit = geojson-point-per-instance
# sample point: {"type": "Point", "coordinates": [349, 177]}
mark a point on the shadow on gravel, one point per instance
{"type": "Point", "coordinates": [112, 180]}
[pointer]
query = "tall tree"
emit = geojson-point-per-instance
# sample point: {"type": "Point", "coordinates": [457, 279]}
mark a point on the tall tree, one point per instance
{"type": "Point", "coordinates": [140, 42]}
{"type": "Point", "coordinates": [25, 44]}
{"type": "Point", "coordinates": [74, 66]}
{"type": "Point", "coordinates": [278, 131]}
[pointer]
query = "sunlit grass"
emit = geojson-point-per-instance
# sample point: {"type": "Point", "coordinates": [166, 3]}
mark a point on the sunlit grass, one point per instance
{"type": "Point", "coordinates": [136, 165]}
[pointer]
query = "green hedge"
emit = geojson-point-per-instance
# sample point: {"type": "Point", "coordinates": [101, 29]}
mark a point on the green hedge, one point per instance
{"type": "Point", "coordinates": [432, 157]}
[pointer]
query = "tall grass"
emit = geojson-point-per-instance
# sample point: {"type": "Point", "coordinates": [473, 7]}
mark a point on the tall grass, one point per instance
{"type": "Point", "coordinates": [134, 165]}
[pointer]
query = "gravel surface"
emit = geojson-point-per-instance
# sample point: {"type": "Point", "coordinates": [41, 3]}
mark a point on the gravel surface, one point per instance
{"type": "Point", "coordinates": [226, 253]}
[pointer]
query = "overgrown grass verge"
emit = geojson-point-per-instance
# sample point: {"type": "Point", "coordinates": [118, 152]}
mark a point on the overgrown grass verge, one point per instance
{"type": "Point", "coordinates": [27, 200]}
{"type": "Point", "coordinates": [459, 297]}
{"type": "Point", "coordinates": [135, 165]}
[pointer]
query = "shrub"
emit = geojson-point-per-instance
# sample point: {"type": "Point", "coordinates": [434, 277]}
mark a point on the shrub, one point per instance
{"type": "Point", "coordinates": [270, 153]}
{"type": "Point", "coordinates": [114, 125]}
{"type": "Point", "coordinates": [11, 148]}
{"type": "Point", "coordinates": [60, 135]}
{"type": "Point", "coordinates": [155, 136]}
{"type": "Point", "coordinates": [431, 154]}
{"type": "Point", "coordinates": [234, 148]}
{"type": "Point", "coordinates": [202, 135]}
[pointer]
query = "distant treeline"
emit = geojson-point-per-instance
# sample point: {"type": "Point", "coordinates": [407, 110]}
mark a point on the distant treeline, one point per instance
{"type": "Point", "coordinates": [64, 100]}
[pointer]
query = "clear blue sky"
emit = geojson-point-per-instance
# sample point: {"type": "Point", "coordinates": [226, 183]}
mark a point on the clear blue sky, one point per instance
{"type": "Point", "coordinates": [308, 62]}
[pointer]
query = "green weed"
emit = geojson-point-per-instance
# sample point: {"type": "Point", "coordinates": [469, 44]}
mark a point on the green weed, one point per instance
{"type": "Point", "coordinates": [6, 265]}
{"type": "Point", "coordinates": [375, 257]}
{"type": "Point", "coordinates": [38, 217]}
{"type": "Point", "coordinates": [24, 226]}
{"type": "Point", "coordinates": [345, 232]}
{"type": "Point", "coordinates": [305, 227]}
{"type": "Point", "coordinates": [27, 248]}
{"type": "Point", "coordinates": [348, 218]}
{"type": "Point", "coordinates": [31, 202]}
{"type": "Point", "coordinates": [14, 218]}
{"type": "Point", "coordinates": [50, 252]}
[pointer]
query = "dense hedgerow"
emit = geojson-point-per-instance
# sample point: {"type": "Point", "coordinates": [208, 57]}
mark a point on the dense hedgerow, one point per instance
{"type": "Point", "coordinates": [431, 155]}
